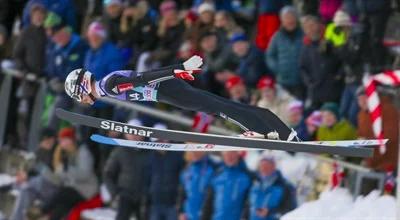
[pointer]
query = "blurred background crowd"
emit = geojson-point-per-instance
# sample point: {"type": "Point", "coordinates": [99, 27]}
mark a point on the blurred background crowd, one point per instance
{"type": "Point", "coordinates": [302, 59]}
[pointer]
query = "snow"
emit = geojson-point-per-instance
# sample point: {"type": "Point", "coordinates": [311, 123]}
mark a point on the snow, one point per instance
{"type": "Point", "coordinates": [337, 204]}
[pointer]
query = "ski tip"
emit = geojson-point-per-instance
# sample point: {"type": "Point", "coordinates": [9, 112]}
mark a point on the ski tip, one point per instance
{"type": "Point", "coordinates": [102, 139]}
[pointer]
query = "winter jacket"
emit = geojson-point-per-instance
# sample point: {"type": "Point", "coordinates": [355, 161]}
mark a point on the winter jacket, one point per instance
{"type": "Point", "coordinates": [103, 60]}
{"type": "Point", "coordinates": [279, 105]}
{"type": "Point", "coordinates": [195, 181]}
{"type": "Point", "coordinates": [168, 45]}
{"type": "Point", "coordinates": [252, 66]}
{"type": "Point", "coordinates": [283, 55]}
{"type": "Point", "coordinates": [227, 196]}
{"type": "Point", "coordinates": [321, 73]}
{"type": "Point", "coordinates": [77, 171]}
{"type": "Point", "coordinates": [61, 61]}
{"type": "Point", "coordinates": [266, 193]}
{"type": "Point", "coordinates": [270, 6]}
{"type": "Point", "coordinates": [390, 123]}
{"type": "Point", "coordinates": [113, 27]}
{"type": "Point", "coordinates": [327, 9]}
{"type": "Point", "coordinates": [342, 130]}
{"type": "Point", "coordinates": [142, 36]}
{"type": "Point", "coordinates": [302, 131]}
{"type": "Point", "coordinates": [126, 173]}
{"type": "Point", "coordinates": [30, 49]}
{"type": "Point", "coordinates": [64, 8]}
{"type": "Point", "coordinates": [164, 174]}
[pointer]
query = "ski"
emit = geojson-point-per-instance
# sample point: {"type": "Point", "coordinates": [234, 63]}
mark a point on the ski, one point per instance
{"type": "Point", "coordinates": [196, 146]}
{"type": "Point", "coordinates": [164, 146]}
{"type": "Point", "coordinates": [184, 136]}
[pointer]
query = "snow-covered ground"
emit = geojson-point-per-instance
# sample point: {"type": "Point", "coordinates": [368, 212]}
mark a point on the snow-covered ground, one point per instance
{"type": "Point", "coordinates": [338, 204]}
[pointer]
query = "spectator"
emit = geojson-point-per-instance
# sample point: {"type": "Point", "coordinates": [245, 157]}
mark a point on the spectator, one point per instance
{"type": "Point", "coordinates": [74, 166]}
{"type": "Point", "coordinates": [338, 31]}
{"type": "Point", "coordinates": [320, 68]}
{"type": "Point", "coordinates": [29, 56]}
{"type": "Point", "coordinates": [328, 8]}
{"type": "Point", "coordinates": [103, 56]}
{"type": "Point", "coordinates": [206, 12]}
{"type": "Point", "coordinates": [112, 19]}
{"type": "Point", "coordinates": [29, 50]}
{"type": "Point", "coordinates": [251, 62]}
{"type": "Point", "coordinates": [390, 122]}
{"type": "Point", "coordinates": [267, 191]}
{"type": "Point", "coordinates": [138, 30]}
{"type": "Point", "coordinates": [64, 53]}
{"type": "Point", "coordinates": [229, 189]}
{"type": "Point", "coordinates": [225, 25]}
{"type": "Point", "coordinates": [237, 89]}
{"type": "Point", "coordinates": [296, 120]}
{"type": "Point", "coordinates": [332, 128]}
{"type": "Point", "coordinates": [284, 52]}
{"type": "Point", "coordinates": [4, 48]}
{"type": "Point", "coordinates": [313, 122]}
{"type": "Point", "coordinates": [64, 8]}
{"type": "Point", "coordinates": [164, 173]}
{"type": "Point", "coordinates": [37, 184]}
{"type": "Point", "coordinates": [10, 11]}
{"type": "Point", "coordinates": [273, 97]}
{"type": "Point", "coordinates": [169, 32]}
{"type": "Point", "coordinates": [267, 21]}
{"type": "Point", "coordinates": [349, 54]}
{"type": "Point", "coordinates": [217, 59]}
{"type": "Point", "coordinates": [195, 180]}
{"type": "Point", "coordinates": [126, 177]}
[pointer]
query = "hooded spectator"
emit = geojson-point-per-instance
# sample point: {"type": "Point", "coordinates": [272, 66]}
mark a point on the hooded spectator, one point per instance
{"type": "Point", "coordinates": [195, 180]}
{"type": "Point", "coordinates": [251, 62]}
{"type": "Point", "coordinates": [267, 191]}
{"type": "Point", "coordinates": [283, 53]}
{"type": "Point", "coordinates": [273, 97]}
{"type": "Point", "coordinates": [332, 127]}
{"type": "Point", "coordinates": [74, 167]}
{"type": "Point", "coordinates": [390, 122]}
{"type": "Point", "coordinates": [295, 115]}
{"type": "Point", "coordinates": [320, 68]}
{"type": "Point", "coordinates": [126, 177]}
{"type": "Point", "coordinates": [229, 189]}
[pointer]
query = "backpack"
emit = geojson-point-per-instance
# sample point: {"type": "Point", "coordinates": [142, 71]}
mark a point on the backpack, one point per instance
{"type": "Point", "coordinates": [289, 199]}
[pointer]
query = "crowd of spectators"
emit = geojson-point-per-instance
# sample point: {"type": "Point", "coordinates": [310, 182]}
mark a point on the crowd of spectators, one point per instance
{"type": "Point", "coordinates": [302, 59]}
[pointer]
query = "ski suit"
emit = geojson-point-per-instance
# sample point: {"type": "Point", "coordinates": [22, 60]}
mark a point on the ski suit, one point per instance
{"type": "Point", "coordinates": [160, 85]}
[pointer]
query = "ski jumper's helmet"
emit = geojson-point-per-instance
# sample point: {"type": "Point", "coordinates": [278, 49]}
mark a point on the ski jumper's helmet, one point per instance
{"type": "Point", "coordinates": [78, 83]}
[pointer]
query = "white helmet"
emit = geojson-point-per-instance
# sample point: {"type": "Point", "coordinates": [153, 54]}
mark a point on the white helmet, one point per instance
{"type": "Point", "coordinates": [79, 82]}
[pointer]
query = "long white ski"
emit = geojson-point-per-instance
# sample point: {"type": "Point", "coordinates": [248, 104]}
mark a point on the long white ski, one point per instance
{"type": "Point", "coordinates": [183, 136]}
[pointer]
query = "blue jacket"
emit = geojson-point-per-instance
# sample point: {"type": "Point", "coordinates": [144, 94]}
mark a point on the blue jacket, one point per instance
{"type": "Point", "coordinates": [302, 131]}
{"type": "Point", "coordinates": [266, 193]}
{"type": "Point", "coordinates": [165, 168]}
{"type": "Point", "coordinates": [252, 66]}
{"type": "Point", "coordinates": [196, 179]}
{"type": "Point", "coordinates": [283, 57]}
{"type": "Point", "coordinates": [230, 188]}
{"type": "Point", "coordinates": [62, 60]}
{"type": "Point", "coordinates": [64, 8]}
{"type": "Point", "coordinates": [104, 60]}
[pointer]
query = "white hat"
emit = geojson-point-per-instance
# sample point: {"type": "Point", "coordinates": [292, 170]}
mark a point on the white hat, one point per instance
{"type": "Point", "coordinates": [204, 7]}
{"type": "Point", "coordinates": [135, 122]}
{"type": "Point", "coordinates": [341, 18]}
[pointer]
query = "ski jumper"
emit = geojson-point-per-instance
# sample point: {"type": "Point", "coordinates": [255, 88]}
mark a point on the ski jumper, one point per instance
{"type": "Point", "coordinates": [160, 85]}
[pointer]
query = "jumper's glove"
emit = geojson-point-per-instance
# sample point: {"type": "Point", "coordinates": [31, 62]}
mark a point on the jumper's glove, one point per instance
{"type": "Point", "coordinates": [193, 63]}
{"type": "Point", "coordinates": [186, 74]}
